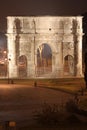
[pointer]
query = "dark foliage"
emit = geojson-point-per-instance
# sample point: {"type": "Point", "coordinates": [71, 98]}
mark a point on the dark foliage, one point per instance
{"type": "Point", "coordinates": [72, 119]}
{"type": "Point", "coordinates": [49, 115]}
{"type": "Point", "coordinates": [71, 106]}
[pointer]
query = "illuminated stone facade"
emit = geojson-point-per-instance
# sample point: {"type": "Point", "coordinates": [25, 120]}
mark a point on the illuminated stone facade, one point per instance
{"type": "Point", "coordinates": [26, 35]}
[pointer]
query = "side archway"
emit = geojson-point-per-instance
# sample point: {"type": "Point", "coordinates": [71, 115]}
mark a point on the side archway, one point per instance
{"type": "Point", "coordinates": [68, 65]}
{"type": "Point", "coordinates": [22, 66]}
{"type": "Point", "coordinates": [3, 56]}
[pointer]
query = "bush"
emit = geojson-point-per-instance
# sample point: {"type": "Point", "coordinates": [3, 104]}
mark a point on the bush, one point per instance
{"type": "Point", "coordinates": [73, 119]}
{"type": "Point", "coordinates": [71, 106]}
{"type": "Point", "coordinates": [49, 115]}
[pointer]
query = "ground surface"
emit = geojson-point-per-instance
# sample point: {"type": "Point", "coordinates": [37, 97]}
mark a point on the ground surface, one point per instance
{"type": "Point", "coordinates": [19, 102]}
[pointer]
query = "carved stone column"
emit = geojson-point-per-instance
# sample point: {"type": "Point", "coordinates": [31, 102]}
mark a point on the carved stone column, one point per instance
{"type": "Point", "coordinates": [61, 59]}
{"type": "Point", "coordinates": [79, 55]}
{"type": "Point", "coordinates": [31, 61]}
{"type": "Point", "coordinates": [12, 66]}
{"type": "Point", "coordinates": [53, 64]}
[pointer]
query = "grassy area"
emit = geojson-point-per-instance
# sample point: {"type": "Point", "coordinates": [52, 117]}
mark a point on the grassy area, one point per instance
{"type": "Point", "coordinates": [83, 104]}
{"type": "Point", "coordinates": [71, 85]}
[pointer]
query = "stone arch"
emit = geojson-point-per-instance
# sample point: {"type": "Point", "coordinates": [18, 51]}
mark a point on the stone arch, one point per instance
{"type": "Point", "coordinates": [68, 65]}
{"type": "Point", "coordinates": [51, 45]}
{"type": "Point", "coordinates": [22, 66]}
{"type": "Point", "coordinates": [44, 59]}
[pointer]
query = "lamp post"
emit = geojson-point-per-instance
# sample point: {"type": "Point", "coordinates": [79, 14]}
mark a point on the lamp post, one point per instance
{"type": "Point", "coordinates": [7, 61]}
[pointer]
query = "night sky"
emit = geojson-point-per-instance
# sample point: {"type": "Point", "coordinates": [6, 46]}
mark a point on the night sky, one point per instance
{"type": "Point", "coordinates": [39, 8]}
{"type": "Point", "coordinates": [42, 7]}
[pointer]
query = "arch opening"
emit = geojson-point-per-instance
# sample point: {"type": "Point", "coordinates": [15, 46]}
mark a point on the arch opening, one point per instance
{"type": "Point", "coordinates": [22, 66]}
{"type": "Point", "coordinates": [69, 65]}
{"type": "Point", "coordinates": [44, 60]}
{"type": "Point", "coordinates": [3, 56]}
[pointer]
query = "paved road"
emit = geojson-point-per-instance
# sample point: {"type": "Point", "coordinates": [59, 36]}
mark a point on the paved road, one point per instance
{"type": "Point", "coordinates": [19, 102]}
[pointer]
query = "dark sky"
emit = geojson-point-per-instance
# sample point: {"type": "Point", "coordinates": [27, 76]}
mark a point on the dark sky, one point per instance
{"type": "Point", "coordinates": [42, 7]}
{"type": "Point", "coordinates": [39, 7]}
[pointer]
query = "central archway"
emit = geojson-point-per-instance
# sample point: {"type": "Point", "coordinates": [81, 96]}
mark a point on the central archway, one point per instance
{"type": "Point", "coordinates": [44, 60]}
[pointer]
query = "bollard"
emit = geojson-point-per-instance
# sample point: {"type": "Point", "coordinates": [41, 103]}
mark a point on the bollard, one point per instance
{"type": "Point", "coordinates": [35, 84]}
{"type": "Point", "coordinates": [12, 82]}
{"type": "Point", "coordinates": [76, 99]}
{"type": "Point", "coordinates": [10, 125]}
{"type": "Point", "coordinates": [6, 125]}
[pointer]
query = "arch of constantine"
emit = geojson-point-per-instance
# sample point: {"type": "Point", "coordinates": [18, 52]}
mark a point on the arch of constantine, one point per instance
{"type": "Point", "coordinates": [45, 46]}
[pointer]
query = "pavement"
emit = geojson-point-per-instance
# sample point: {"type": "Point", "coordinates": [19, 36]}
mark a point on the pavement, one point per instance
{"type": "Point", "coordinates": [20, 102]}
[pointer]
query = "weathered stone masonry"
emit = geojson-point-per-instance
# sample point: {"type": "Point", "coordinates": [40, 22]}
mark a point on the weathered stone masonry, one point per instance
{"type": "Point", "coordinates": [62, 34]}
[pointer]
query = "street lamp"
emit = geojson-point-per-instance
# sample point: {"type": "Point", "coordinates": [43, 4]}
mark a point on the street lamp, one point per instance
{"type": "Point", "coordinates": [7, 61]}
